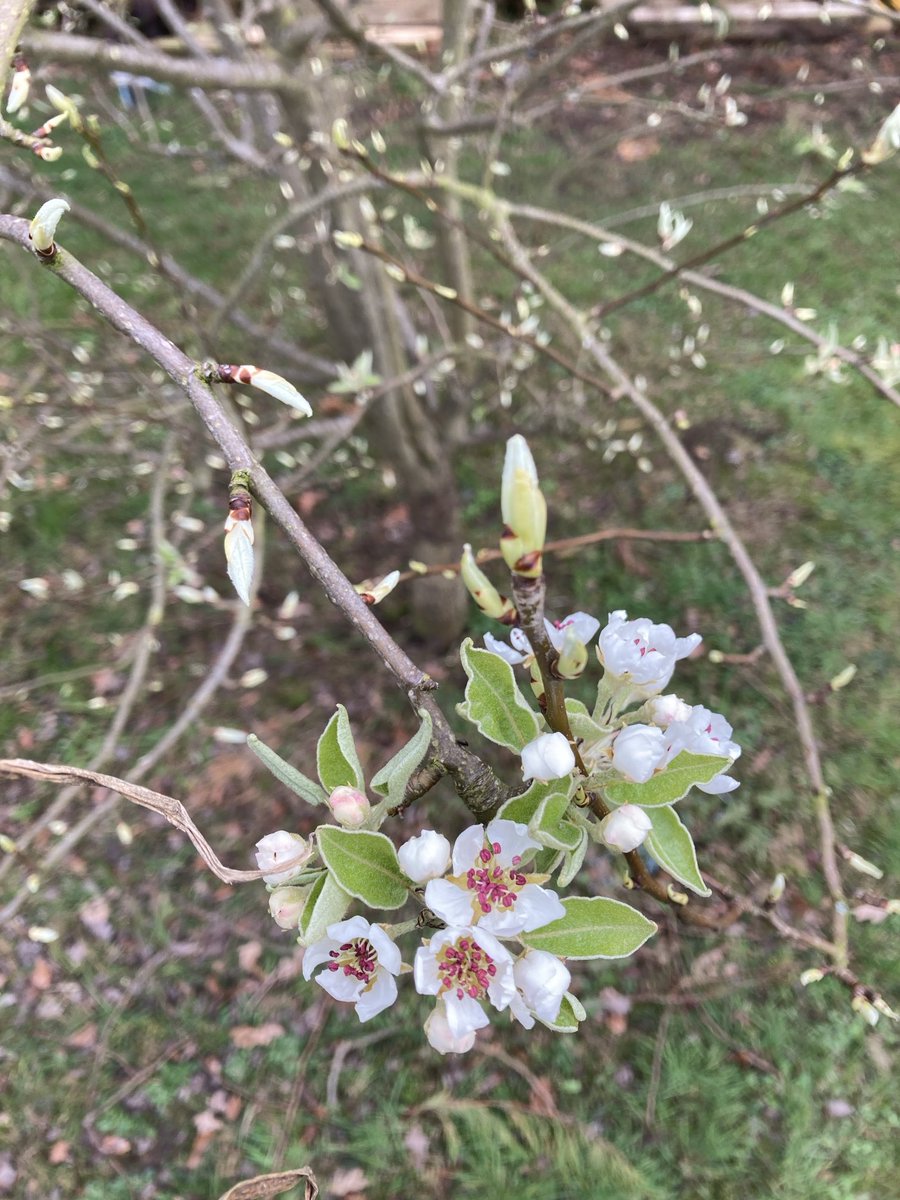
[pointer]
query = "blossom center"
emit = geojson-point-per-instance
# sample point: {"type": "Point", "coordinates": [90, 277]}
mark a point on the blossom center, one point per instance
{"type": "Point", "coordinates": [357, 959]}
{"type": "Point", "coordinates": [492, 885]}
{"type": "Point", "coordinates": [465, 968]}
{"type": "Point", "coordinates": [642, 649]}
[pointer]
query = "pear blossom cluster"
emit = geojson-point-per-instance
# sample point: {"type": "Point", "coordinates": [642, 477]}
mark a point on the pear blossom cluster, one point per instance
{"type": "Point", "coordinates": [483, 891]}
{"type": "Point", "coordinates": [640, 750]}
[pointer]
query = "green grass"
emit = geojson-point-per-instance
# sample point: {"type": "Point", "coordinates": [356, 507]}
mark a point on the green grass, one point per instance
{"type": "Point", "coordinates": [808, 470]}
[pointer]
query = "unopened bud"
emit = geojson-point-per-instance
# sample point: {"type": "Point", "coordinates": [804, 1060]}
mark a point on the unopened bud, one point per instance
{"type": "Point", "coordinates": [813, 975]}
{"type": "Point", "coordinates": [625, 828]}
{"type": "Point", "coordinates": [524, 511]}
{"type": "Point", "coordinates": [373, 593]}
{"type": "Point", "coordinates": [547, 757]}
{"type": "Point", "coordinates": [286, 904]}
{"type": "Point", "coordinates": [866, 1009]}
{"type": "Point", "coordinates": [799, 576]}
{"type": "Point", "coordinates": [886, 144]}
{"type": "Point", "coordinates": [482, 591]}
{"type": "Point", "coordinates": [573, 657]}
{"type": "Point", "coordinates": [675, 896]}
{"type": "Point", "coordinates": [858, 863]}
{"type": "Point", "coordinates": [266, 381]}
{"type": "Point", "coordinates": [776, 891]}
{"type": "Point", "coordinates": [276, 849]}
{"type": "Point", "coordinates": [349, 807]}
{"type": "Point", "coordinates": [42, 230]}
{"type": "Point", "coordinates": [19, 88]}
{"type": "Point", "coordinates": [843, 678]}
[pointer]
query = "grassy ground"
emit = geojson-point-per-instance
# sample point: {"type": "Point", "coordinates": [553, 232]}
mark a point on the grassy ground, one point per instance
{"type": "Point", "coordinates": [165, 1044]}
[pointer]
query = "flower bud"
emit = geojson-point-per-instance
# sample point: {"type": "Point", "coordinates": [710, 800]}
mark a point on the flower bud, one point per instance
{"type": "Point", "coordinates": [573, 656]}
{"type": "Point", "coordinates": [542, 980]}
{"type": "Point", "coordinates": [278, 848]}
{"type": "Point", "coordinates": [374, 593]}
{"type": "Point", "coordinates": [482, 591]}
{"type": "Point", "coordinates": [442, 1038]}
{"type": "Point", "coordinates": [886, 144]}
{"type": "Point", "coordinates": [548, 757]}
{"type": "Point", "coordinates": [266, 381]}
{"type": "Point", "coordinates": [625, 828]}
{"type": "Point", "coordinates": [425, 857]}
{"type": "Point", "coordinates": [42, 230]}
{"type": "Point", "coordinates": [19, 88]}
{"type": "Point", "coordinates": [524, 511]}
{"type": "Point", "coordinates": [666, 709]}
{"type": "Point", "coordinates": [349, 807]}
{"type": "Point", "coordinates": [286, 904]}
{"type": "Point", "coordinates": [638, 750]}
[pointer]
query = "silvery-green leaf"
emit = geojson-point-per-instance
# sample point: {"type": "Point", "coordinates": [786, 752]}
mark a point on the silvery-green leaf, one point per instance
{"type": "Point", "coordinates": [288, 775]}
{"type": "Point", "coordinates": [336, 757]}
{"type": "Point", "coordinates": [494, 701]}
{"type": "Point", "coordinates": [327, 903]}
{"type": "Point", "coordinates": [364, 864]}
{"type": "Point", "coordinates": [671, 784]}
{"type": "Point", "coordinates": [669, 842]}
{"type": "Point", "coordinates": [593, 928]}
{"type": "Point", "coordinates": [393, 777]}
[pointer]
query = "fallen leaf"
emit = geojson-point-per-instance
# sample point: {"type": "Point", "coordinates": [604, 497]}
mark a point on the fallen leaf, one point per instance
{"type": "Point", "coordinates": [95, 918]}
{"type": "Point", "coordinates": [84, 1038]}
{"type": "Point", "coordinates": [114, 1146]}
{"type": "Point", "coordinates": [248, 1037]}
{"type": "Point", "coordinates": [41, 974]}
{"type": "Point", "coordinates": [249, 955]}
{"type": "Point", "coordinates": [349, 1182]}
{"type": "Point", "coordinates": [59, 1153]}
{"type": "Point", "coordinates": [873, 913]}
{"type": "Point", "coordinates": [839, 1108]}
{"type": "Point", "coordinates": [418, 1143]}
{"type": "Point", "coordinates": [260, 1187]}
{"type": "Point", "coordinates": [637, 149]}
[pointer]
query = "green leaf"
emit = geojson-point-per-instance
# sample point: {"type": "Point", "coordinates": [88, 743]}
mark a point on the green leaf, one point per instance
{"type": "Point", "coordinates": [571, 1011]}
{"type": "Point", "coordinates": [364, 864]}
{"type": "Point", "coordinates": [393, 777]}
{"type": "Point", "coordinates": [671, 784]}
{"type": "Point", "coordinates": [493, 701]}
{"type": "Point", "coordinates": [670, 843]}
{"type": "Point", "coordinates": [305, 788]}
{"type": "Point", "coordinates": [572, 862]}
{"type": "Point", "coordinates": [583, 725]}
{"type": "Point", "coordinates": [593, 928]}
{"type": "Point", "coordinates": [336, 757]}
{"type": "Point", "coordinates": [522, 808]}
{"type": "Point", "coordinates": [548, 827]}
{"type": "Point", "coordinates": [327, 903]}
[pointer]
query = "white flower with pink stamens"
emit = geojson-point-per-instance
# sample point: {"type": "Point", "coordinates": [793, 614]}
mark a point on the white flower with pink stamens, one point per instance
{"type": "Point", "coordinates": [642, 653]}
{"type": "Point", "coordinates": [489, 885]}
{"type": "Point", "coordinates": [360, 964]}
{"type": "Point", "coordinates": [463, 967]}
{"type": "Point", "coordinates": [541, 981]}
{"type": "Point", "coordinates": [703, 731]}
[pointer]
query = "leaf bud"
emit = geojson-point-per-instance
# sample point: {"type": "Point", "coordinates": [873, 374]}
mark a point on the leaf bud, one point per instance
{"type": "Point", "coordinates": [482, 591]}
{"type": "Point", "coordinates": [349, 807]}
{"type": "Point", "coordinates": [524, 511]}
{"type": "Point", "coordinates": [20, 86]}
{"type": "Point", "coordinates": [42, 230]}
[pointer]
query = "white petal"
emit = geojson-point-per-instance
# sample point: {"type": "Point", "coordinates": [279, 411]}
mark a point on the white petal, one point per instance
{"type": "Point", "coordinates": [719, 786]}
{"type": "Point", "coordinates": [378, 997]}
{"type": "Point", "coordinates": [464, 1015]}
{"type": "Point", "coordinates": [466, 849]}
{"type": "Point", "coordinates": [440, 1038]}
{"type": "Point", "coordinates": [535, 906]}
{"type": "Point", "coordinates": [449, 902]}
{"type": "Point", "coordinates": [520, 1011]}
{"type": "Point", "coordinates": [317, 954]}
{"type": "Point", "coordinates": [340, 986]}
{"type": "Point", "coordinates": [513, 838]}
{"type": "Point", "coordinates": [346, 931]}
{"type": "Point", "coordinates": [425, 971]}
{"type": "Point", "coordinates": [504, 651]}
{"type": "Point", "coordinates": [387, 951]}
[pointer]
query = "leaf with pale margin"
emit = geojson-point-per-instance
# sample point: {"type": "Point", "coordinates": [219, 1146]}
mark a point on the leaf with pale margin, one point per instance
{"type": "Point", "coordinates": [493, 701]}
{"type": "Point", "coordinates": [572, 862]}
{"type": "Point", "coordinates": [305, 788]}
{"type": "Point", "coordinates": [326, 904]}
{"type": "Point", "coordinates": [336, 757]}
{"type": "Point", "coordinates": [522, 808]}
{"type": "Point", "coordinates": [548, 827]}
{"type": "Point", "coordinates": [393, 777]}
{"type": "Point", "coordinates": [364, 864]}
{"type": "Point", "coordinates": [240, 559]}
{"type": "Point", "coordinates": [682, 773]}
{"type": "Point", "coordinates": [571, 1011]}
{"type": "Point", "coordinates": [669, 842]}
{"type": "Point", "coordinates": [593, 927]}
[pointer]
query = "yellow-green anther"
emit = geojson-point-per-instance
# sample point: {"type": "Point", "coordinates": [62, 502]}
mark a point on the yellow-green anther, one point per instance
{"type": "Point", "coordinates": [482, 591]}
{"type": "Point", "coordinates": [524, 511]}
{"type": "Point", "coordinates": [573, 657]}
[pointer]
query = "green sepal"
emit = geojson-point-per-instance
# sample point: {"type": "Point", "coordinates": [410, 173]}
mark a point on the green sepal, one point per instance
{"type": "Point", "coordinates": [669, 842]}
{"type": "Point", "coordinates": [336, 757]}
{"type": "Point", "coordinates": [670, 785]}
{"type": "Point", "coordinates": [299, 783]}
{"type": "Point", "coordinates": [593, 928]}
{"type": "Point", "coordinates": [493, 701]}
{"type": "Point", "coordinates": [326, 904]}
{"type": "Point", "coordinates": [364, 864]}
{"type": "Point", "coordinates": [571, 1012]}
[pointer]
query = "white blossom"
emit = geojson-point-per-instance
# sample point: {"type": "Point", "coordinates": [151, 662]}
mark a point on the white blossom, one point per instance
{"type": "Point", "coordinates": [625, 828]}
{"type": "Point", "coordinates": [280, 847]}
{"type": "Point", "coordinates": [705, 732]}
{"type": "Point", "coordinates": [424, 857]}
{"type": "Point", "coordinates": [518, 651]}
{"type": "Point", "coordinates": [360, 964]}
{"type": "Point", "coordinates": [464, 967]}
{"type": "Point", "coordinates": [489, 887]}
{"type": "Point", "coordinates": [581, 624]}
{"type": "Point", "coordinates": [638, 750]}
{"type": "Point", "coordinates": [549, 756]}
{"type": "Point", "coordinates": [641, 652]}
{"type": "Point", "coordinates": [666, 709]}
{"type": "Point", "coordinates": [541, 981]}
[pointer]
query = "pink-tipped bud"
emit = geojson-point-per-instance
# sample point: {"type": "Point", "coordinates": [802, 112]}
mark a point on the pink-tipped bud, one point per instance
{"type": "Point", "coordinates": [349, 807]}
{"type": "Point", "coordinates": [286, 904]}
